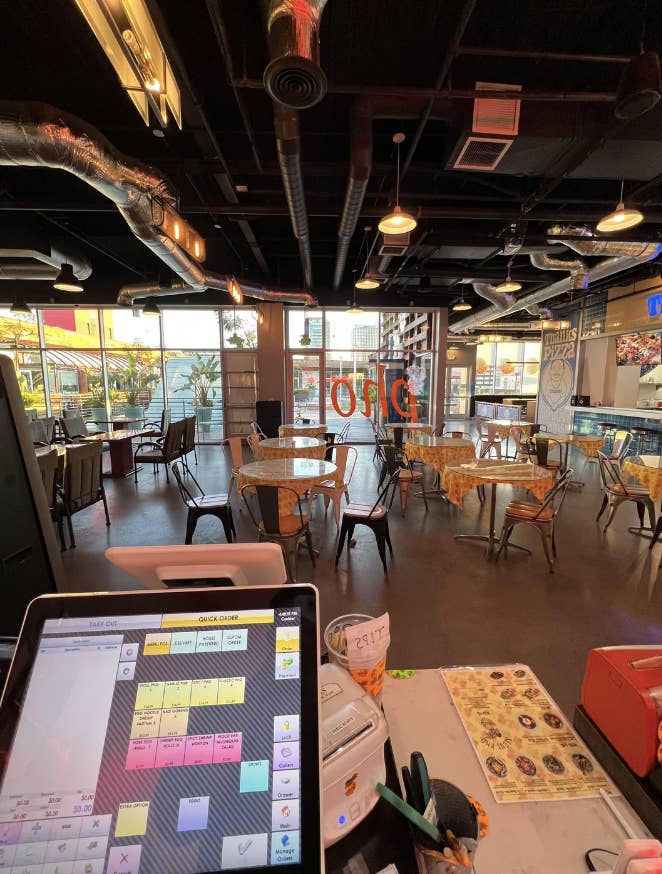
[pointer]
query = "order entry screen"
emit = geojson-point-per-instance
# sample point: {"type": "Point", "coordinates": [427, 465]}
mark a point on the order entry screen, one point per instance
{"type": "Point", "coordinates": [157, 743]}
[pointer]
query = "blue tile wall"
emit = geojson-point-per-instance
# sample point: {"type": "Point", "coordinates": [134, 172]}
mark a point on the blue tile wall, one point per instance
{"type": "Point", "coordinates": [586, 422]}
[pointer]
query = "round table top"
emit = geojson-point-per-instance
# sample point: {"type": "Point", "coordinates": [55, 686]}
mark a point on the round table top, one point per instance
{"type": "Point", "coordinates": [287, 469]}
{"type": "Point", "coordinates": [495, 471]}
{"type": "Point", "coordinates": [408, 426]}
{"type": "Point", "coordinates": [505, 422]}
{"type": "Point", "coordinates": [428, 440]}
{"type": "Point", "coordinates": [557, 438]}
{"type": "Point", "coordinates": [292, 442]}
{"type": "Point", "coordinates": [650, 461]}
{"type": "Point", "coordinates": [301, 426]}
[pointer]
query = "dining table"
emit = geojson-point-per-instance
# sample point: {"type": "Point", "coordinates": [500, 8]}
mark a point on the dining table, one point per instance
{"type": "Point", "coordinates": [121, 450]}
{"type": "Point", "coordinates": [298, 474]}
{"type": "Point", "coordinates": [459, 479]}
{"type": "Point", "coordinates": [503, 426]}
{"type": "Point", "coordinates": [437, 452]}
{"type": "Point", "coordinates": [588, 444]}
{"type": "Point", "coordinates": [646, 469]}
{"type": "Point", "coordinates": [409, 427]}
{"type": "Point", "coordinates": [292, 447]}
{"type": "Point", "coordinates": [302, 429]}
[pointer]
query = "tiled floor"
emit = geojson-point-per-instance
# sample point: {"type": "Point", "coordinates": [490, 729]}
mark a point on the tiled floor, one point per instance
{"type": "Point", "coordinates": [448, 605]}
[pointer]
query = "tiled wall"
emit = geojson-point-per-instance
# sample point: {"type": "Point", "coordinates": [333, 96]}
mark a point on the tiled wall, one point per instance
{"type": "Point", "coordinates": [586, 422]}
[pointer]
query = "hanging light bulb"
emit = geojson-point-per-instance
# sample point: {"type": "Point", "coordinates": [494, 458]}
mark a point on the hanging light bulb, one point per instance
{"type": "Point", "coordinates": [462, 305]}
{"type": "Point", "coordinates": [366, 283]}
{"type": "Point", "coordinates": [354, 309]}
{"type": "Point", "coordinates": [398, 221]}
{"type": "Point", "coordinates": [66, 280]}
{"type": "Point", "coordinates": [509, 284]}
{"type": "Point", "coordinates": [234, 290]}
{"type": "Point", "coordinates": [259, 315]}
{"type": "Point", "coordinates": [621, 218]}
{"type": "Point", "coordinates": [151, 308]}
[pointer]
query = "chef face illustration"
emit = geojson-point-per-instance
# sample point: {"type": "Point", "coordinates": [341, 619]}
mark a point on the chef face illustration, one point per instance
{"type": "Point", "coordinates": [556, 383]}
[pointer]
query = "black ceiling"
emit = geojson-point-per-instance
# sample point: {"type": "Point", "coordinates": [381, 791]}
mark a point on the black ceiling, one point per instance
{"type": "Point", "coordinates": [566, 164]}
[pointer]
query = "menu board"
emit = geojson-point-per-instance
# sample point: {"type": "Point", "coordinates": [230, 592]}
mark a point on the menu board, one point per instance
{"type": "Point", "coordinates": [642, 349]}
{"type": "Point", "coordinates": [527, 749]}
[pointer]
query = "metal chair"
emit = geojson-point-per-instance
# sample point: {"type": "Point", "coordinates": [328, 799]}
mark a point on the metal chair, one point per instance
{"type": "Point", "coordinates": [620, 445]}
{"type": "Point", "coordinates": [202, 505]}
{"type": "Point", "coordinates": [73, 429]}
{"type": "Point", "coordinates": [286, 530]}
{"type": "Point", "coordinates": [162, 425]}
{"type": "Point", "coordinates": [333, 490]}
{"type": "Point", "coordinates": [83, 481]}
{"type": "Point", "coordinates": [344, 431]}
{"type": "Point", "coordinates": [329, 439]}
{"type": "Point", "coordinates": [254, 441]}
{"type": "Point", "coordinates": [375, 516]}
{"type": "Point", "coordinates": [616, 492]}
{"type": "Point", "coordinates": [544, 446]}
{"type": "Point", "coordinates": [455, 435]}
{"type": "Point", "coordinates": [607, 429]}
{"type": "Point", "coordinates": [396, 460]}
{"type": "Point", "coordinates": [237, 456]}
{"type": "Point", "coordinates": [165, 452]}
{"type": "Point", "coordinates": [255, 428]}
{"type": "Point", "coordinates": [487, 440]}
{"type": "Point", "coordinates": [188, 441]}
{"type": "Point", "coordinates": [381, 438]}
{"type": "Point", "coordinates": [542, 517]}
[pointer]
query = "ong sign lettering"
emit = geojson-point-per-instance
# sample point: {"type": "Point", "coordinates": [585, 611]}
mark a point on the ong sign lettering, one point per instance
{"type": "Point", "coordinates": [380, 386]}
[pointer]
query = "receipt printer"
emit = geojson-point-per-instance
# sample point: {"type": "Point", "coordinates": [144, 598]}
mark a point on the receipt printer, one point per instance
{"type": "Point", "coordinates": [354, 732]}
{"type": "Point", "coordinates": [622, 694]}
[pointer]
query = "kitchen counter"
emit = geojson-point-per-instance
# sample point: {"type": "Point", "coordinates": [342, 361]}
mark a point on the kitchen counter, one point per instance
{"type": "Point", "coordinates": [652, 413]}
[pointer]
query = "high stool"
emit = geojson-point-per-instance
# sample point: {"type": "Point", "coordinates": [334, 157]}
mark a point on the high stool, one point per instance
{"type": "Point", "coordinates": [642, 438]}
{"type": "Point", "coordinates": [607, 429]}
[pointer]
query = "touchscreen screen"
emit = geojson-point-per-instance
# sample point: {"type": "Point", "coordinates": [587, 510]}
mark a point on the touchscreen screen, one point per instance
{"type": "Point", "coordinates": [150, 744]}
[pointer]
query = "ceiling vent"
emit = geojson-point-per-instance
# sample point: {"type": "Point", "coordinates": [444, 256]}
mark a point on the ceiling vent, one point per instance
{"type": "Point", "coordinates": [394, 244]}
{"type": "Point", "coordinates": [496, 116]}
{"type": "Point", "coordinates": [481, 153]}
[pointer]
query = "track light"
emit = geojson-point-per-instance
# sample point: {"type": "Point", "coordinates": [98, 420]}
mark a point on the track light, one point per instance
{"type": "Point", "coordinates": [20, 307]}
{"type": "Point", "coordinates": [66, 281]}
{"type": "Point", "coordinates": [151, 308]}
{"type": "Point", "coordinates": [397, 222]}
{"type": "Point", "coordinates": [621, 218]}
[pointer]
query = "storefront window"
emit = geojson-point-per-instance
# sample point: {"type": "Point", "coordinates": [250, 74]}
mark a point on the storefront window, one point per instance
{"type": "Point", "coordinates": [194, 387]}
{"type": "Point", "coordinates": [239, 329]}
{"type": "Point", "coordinates": [191, 329]}
{"type": "Point", "coordinates": [304, 328]}
{"type": "Point", "coordinates": [130, 328]}
{"type": "Point", "coordinates": [71, 328]}
{"type": "Point", "coordinates": [510, 368]}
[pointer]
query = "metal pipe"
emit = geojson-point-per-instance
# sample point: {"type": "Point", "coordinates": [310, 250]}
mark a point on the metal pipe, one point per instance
{"type": "Point", "coordinates": [57, 257]}
{"type": "Point", "coordinates": [22, 270]}
{"type": "Point", "coordinates": [129, 293]}
{"type": "Point", "coordinates": [477, 51]}
{"type": "Point", "coordinates": [293, 77]}
{"type": "Point", "coordinates": [578, 269]}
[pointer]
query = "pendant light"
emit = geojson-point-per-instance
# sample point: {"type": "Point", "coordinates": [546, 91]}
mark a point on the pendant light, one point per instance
{"type": "Point", "coordinates": [461, 305]}
{"type": "Point", "coordinates": [398, 221]}
{"type": "Point", "coordinates": [20, 306]}
{"type": "Point", "coordinates": [151, 307]}
{"type": "Point", "coordinates": [354, 309]}
{"type": "Point", "coordinates": [509, 284]}
{"type": "Point", "coordinates": [366, 283]}
{"type": "Point", "coordinates": [66, 281]}
{"type": "Point", "coordinates": [621, 218]}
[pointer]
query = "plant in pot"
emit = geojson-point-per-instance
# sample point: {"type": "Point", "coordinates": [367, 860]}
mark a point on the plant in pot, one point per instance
{"type": "Point", "coordinates": [98, 407]}
{"type": "Point", "coordinates": [136, 382]}
{"type": "Point", "coordinates": [201, 381]}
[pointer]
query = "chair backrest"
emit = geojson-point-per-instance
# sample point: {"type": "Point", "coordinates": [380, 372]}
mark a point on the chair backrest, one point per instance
{"type": "Point", "coordinates": [478, 422]}
{"type": "Point", "coordinates": [456, 435]}
{"type": "Point", "coordinates": [166, 419]}
{"type": "Point", "coordinates": [255, 428]}
{"type": "Point", "coordinates": [254, 441]}
{"type": "Point", "coordinates": [486, 447]}
{"type": "Point", "coordinates": [236, 452]}
{"type": "Point", "coordinates": [516, 433]}
{"type": "Point", "coordinates": [342, 437]}
{"type": "Point", "coordinates": [82, 475]}
{"type": "Point", "coordinates": [73, 427]}
{"type": "Point", "coordinates": [185, 493]}
{"type": "Point", "coordinates": [47, 462]}
{"type": "Point", "coordinates": [188, 437]}
{"type": "Point", "coordinates": [555, 496]}
{"type": "Point", "coordinates": [174, 437]}
{"type": "Point", "coordinates": [330, 438]}
{"type": "Point", "coordinates": [392, 457]}
{"type": "Point", "coordinates": [344, 458]}
{"type": "Point", "coordinates": [622, 440]}
{"type": "Point", "coordinates": [38, 433]}
{"type": "Point", "coordinates": [391, 484]}
{"type": "Point", "coordinates": [263, 506]}
{"type": "Point", "coordinates": [398, 437]}
{"type": "Point", "coordinates": [610, 474]}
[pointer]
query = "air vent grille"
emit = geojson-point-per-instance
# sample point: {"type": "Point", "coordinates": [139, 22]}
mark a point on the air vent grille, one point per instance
{"type": "Point", "coordinates": [496, 116]}
{"type": "Point", "coordinates": [481, 153]}
{"type": "Point", "coordinates": [394, 244]}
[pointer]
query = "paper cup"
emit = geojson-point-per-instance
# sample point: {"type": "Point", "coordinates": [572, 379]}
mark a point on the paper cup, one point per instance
{"type": "Point", "coordinates": [369, 674]}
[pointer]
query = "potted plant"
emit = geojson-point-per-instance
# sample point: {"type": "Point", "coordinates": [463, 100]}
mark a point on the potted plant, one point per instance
{"type": "Point", "coordinates": [201, 381]}
{"type": "Point", "coordinates": [136, 381]}
{"type": "Point", "coordinates": [98, 408]}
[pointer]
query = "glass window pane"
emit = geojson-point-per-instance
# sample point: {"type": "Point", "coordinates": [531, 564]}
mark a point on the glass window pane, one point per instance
{"type": "Point", "coordinates": [134, 378]}
{"type": "Point", "coordinates": [194, 386]}
{"type": "Point", "coordinates": [18, 329]}
{"type": "Point", "coordinates": [349, 331]}
{"type": "Point", "coordinates": [191, 329]}
{"type": "Point", "coordinates": [305, 387]}
{"type": "Point", "coordinates": [485, 355]}
{"type": "Point", "coordinates": [304, 325]}
{"type": "Point", "coordinates": [350, 371]}
{"type": "Point", "coordinates": [239, 329]}
{"type": "Point", "coordinates": [130, 327]}
{"type": "Point", "coordinates": [531, 368]}
{"type": "Point", "coordinates": [30, 379]}
{"type": "Point", "coordinates": [73, 379]}
{"type": "Point", "coordinates": [71, 328]}
{"type": "Point", "coordinates": [509, 365]}
{"type": "Point", "coordinates": [407, 330]}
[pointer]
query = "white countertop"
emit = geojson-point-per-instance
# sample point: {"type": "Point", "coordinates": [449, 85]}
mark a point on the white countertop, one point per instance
{"type": "Point", "coordinates": [641, 413]}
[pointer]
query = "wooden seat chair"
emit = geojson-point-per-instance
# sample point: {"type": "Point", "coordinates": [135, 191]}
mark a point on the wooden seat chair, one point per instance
{"type": "Point", "coordinates": [49, 468]}
{"type": "Point", "coordinates": [263, 503]}
{"type": "Point", "coordinates": [161, 426]}
{"type": "Point", "coordinates": [164, 452]}
{"type": "Point", "coordinates": [83, 481]}
{"type": "Point", "coordinates": [374, 516]}
{"type": "Point", "coordinates": [542, 517]}
{"type": "Point", "coordinates": [617, 492]}
{"type": "Point", "coordinates": [396, 460]}
{"type": "Point", "coordinates": [202, 505]}
{"type": "Point", "coordinates": [345, 458]}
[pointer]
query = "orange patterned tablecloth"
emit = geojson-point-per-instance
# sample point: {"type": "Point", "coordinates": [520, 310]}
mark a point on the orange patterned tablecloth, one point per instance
{"type": "Point", "coordinates": [299, 430]}
{"type": "Point", "coordinates": [647, 469]}
{"type": "Point", "coordinates": [437, 452]}
{"type": "Point", "coordinates": [292, 447]}
{"type": "Point", "coordinates": [459, 480]}
{"type": "Point", "coordinates": [588, 444]}
{"type": "Point", "coordinates": [503, 426]}
{"type": "Point", "coordinates": [299, 474]}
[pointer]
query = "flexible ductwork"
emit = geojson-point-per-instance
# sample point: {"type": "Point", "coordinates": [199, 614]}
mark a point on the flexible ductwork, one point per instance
{"type": "Point", "coordinates": [128, 294]}
{"type": "Point", "coordinates": [288, 144]}
{"type": "Point", "coordinates": [578, 269]}
{"type": "Point", "coordinates": [607, 268]}
{"type": "Point", "coordinates": [49, 267]}
{"type": "Point", "coordinates": [613, 248]}
{"type": "Point", "coordinates": [293, 77]}
{"type": "Point", "coordinates": [500, 299]}
{"type": "Point", "coordinates": [37, 135]}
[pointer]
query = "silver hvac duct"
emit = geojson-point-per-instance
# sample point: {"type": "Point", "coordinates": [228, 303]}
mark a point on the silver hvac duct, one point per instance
{"type": "Point", "coordinates": [603, 270]}
{"type": "Point", "coordinates": [578, 269]}
{"type": "Point", "coordinates": [500, 299]}
{"type": "Point", "coordinates": [613, 248]}
{"type": "Point", "coordinates": [128, 294]}
{"type": "Point", "coordinates": [37, 135]}
{"type": "Point", "coordinates": [49, 267]}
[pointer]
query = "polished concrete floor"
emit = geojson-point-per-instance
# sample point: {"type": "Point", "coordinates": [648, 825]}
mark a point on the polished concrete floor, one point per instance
{"type": "Point", "coordinates": [447, 603]}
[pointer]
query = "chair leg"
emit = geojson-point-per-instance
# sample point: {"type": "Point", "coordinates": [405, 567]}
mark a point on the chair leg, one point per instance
{"type": "Point", "coordinates": [231, 518]}
{"type": "Point", "coordinates": [425, 497]}
{"type": "Point", "coordinates": [309, 544]}
{"type": "Point", "coordinates": [481, 493]}
{"type": "Point", "coordinates": [545, 546]}
{"type": "Point", "coordinates": [226, 522]}
{"type": "Point", "coordinates": [105, 505]}
{"type": "Point", "coordinates": [72, 540]}
{"type": "Point", "coordinates": [503, 540]}
{"type": "Point", "coordinates": [166, 465]}
{"type": "Point", "coordinates": [605, 501]}
{"type": "Point", "coordinates": [344, 528]}
{"type": "Point", "coordinates": [612, 512]}
{"type": "Point", "coordinates": [651, 514]}
{"type": "Point", "coordinates": [195, 455]}
{"type": "Point", "coordinates": [656, 533]}
{"type": "Point", "coordinates": [387, 536]}
{"type": "Point", "coordinates": [404, 495]}
{"type": "Point", "coordinates": [336, 508]}
{"type": "Point", "coordinates": [290, 555]}
{"type": "Point", "coordinates": [381, 541]}
{"type": "Point", "coordinates": [191, 522]}
{"type": "Point", "coordinates": [553, 539]}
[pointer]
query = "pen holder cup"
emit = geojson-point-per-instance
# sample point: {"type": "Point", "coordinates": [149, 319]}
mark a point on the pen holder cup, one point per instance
{"type": "Point", "coordinates": [458, 813]}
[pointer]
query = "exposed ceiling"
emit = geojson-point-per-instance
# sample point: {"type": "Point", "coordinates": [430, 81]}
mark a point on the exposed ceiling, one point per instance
{"type": "Point", "coordinates": [564, 166]}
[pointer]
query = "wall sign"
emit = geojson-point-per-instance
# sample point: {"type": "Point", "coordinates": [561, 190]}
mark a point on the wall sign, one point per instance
{"type": "Point", "coordinates": [654, 305]}
{"type": "Point", "coordinates": [557, 375]}
{"type": "Point", "coordinates": [380, 385]}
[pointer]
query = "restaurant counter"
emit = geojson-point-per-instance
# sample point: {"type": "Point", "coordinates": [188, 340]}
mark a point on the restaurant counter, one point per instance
{"type": "Point", "coordinates": [586, 419]}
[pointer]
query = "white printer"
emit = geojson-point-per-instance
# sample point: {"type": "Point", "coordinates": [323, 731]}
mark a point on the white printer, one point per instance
{"type": "Point", "coordinates": [354, 732]}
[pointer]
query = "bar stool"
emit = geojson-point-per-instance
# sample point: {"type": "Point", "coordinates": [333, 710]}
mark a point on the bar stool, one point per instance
{"type": "Point", "coordinates": [607, 429]}
{"type": "Point", "coordinates": [642, 439]}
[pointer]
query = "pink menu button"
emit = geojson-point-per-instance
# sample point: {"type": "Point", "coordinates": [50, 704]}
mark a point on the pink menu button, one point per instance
{"type": "Point", "coordinates": [124, 860]}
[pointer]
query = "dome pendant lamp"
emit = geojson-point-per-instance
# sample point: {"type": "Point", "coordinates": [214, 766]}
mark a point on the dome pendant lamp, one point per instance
{"type": "Point", "coordinates": [398, 221]}
{"type": "Point", "coordinates": [366, 283]}
{"type": "Point", "coordinates": [621, 218]}
{"type": "Point", "coordinates": [509, 284]}
{"type": "Point", "coordinates": [354, 309]}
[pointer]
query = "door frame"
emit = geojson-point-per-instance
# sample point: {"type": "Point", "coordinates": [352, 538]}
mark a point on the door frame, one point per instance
{"type": "Point", "coordinates": [289, 382]}
{"type": "Point", "coordinates": [448, 395]}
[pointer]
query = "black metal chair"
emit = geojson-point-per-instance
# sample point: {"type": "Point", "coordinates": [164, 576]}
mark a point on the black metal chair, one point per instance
{"type": "Point", "coordinates": [83, 481]}
{"type": "Point", "coordinates": [381, 438]}
{"type": "Point", "coordinates": [617, 492]}
{"type": "Point", "coordinates": [344, 431]}
{"type": "Point", "coordinates": [169, 450]}
{"type": "Point", "coordinates": [544, 447]}
{"type": "Point", "coordinates": [161, 426]}
{"type": "Point", "coordinates": [202, 505]}
{"type": "Point", "coordinates": [287, 530]}
{"type": "Point", "coordinates": [375, 516]}
{"type": "Point", "coordinates": [188, 441]}
{"type": "Point", "coordinates": [329, 439]}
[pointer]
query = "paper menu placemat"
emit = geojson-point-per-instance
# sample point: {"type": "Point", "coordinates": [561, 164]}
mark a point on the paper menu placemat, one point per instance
{"type": "Point", "coordinates": [526, 747]}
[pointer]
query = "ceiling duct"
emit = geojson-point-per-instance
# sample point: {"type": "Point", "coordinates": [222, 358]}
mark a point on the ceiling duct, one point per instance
{"type": "Point", "coordinates": [578, 269]}
{"type": "Point", "coordinates": [498, 298]}
{"type": "Point", "coordinates": [639, 88]}
{"type": "Point", "coordinates": [37, 135]}
{"type": "Point", "coordinates": [293, 76]}
{"type": "Point", "coordinates": [48, 267]}
{"type": "Point", "coordinates": [603, 270]}
{"type": "Point", "coordinates": [614, 248]}
{"type": "Point", "coordinates": [129, 293]}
